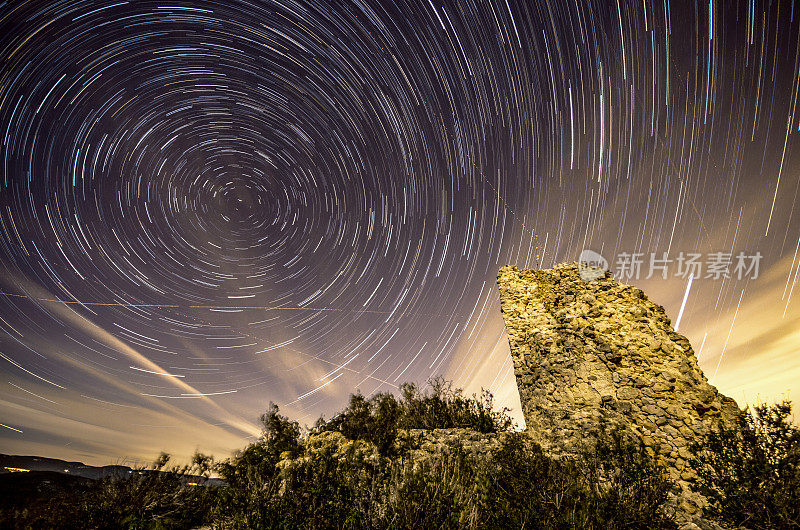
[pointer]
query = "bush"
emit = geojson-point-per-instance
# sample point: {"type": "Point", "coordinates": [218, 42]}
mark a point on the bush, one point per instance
{"type": "Point", "coordinates": [628, 489]}
{"type": "Point", "coordinates": [614, 484]}
{"type": "Point", "coordinates": [378, 419]}
{"type": "Point", "coordinates": [252, 475]}
{"type": "Point", "coordinates": [258, 460]}
{"type": "Point", "coordinates": [751, 475]}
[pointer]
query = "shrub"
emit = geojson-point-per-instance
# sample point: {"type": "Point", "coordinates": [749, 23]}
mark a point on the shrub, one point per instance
{"type": "Point", "coordinates": [751, 475]}
{"type": "Point", "coordinates": [258, 460]}
{"type": "Point", "coordinates": [251, 474]}
{"type": "Point", "coordinates": [628, 489]}
{"type": "Point", "coordinates": [613, 484]}
{"type": "Point", "coordinates": [378, 418]}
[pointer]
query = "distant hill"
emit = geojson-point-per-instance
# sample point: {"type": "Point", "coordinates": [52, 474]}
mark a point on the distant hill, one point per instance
{"type": "Point", "coordinates": [23, 464]}
{"type": "Point", "coordinates": [37, 465]}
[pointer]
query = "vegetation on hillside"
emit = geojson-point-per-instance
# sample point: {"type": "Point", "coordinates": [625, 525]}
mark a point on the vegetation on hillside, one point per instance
{"type": "Point", "coordinates": [283, 480]}
{"type": "Point", "coordinates": [379, 418]}
{"type": "Point", "coordinates": [751, 474]}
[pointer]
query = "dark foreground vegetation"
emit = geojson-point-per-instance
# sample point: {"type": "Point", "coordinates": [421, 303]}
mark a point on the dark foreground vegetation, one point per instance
{"type": "Point", "coordinates": [752, 478]}
{"type": "Point", "coordinates": [277, 482]}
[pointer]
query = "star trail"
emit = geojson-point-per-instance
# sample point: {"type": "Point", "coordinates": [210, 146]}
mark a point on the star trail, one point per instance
{"type": "Point", "coordinates": [207, 206]}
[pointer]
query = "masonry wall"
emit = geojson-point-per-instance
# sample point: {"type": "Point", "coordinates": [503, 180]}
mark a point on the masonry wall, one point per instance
{"type": "Point", "coordinates": [594, 353]}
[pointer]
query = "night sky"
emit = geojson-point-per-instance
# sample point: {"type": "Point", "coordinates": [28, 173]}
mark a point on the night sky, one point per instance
{"type": "Point", "coordinates": [208, 206]}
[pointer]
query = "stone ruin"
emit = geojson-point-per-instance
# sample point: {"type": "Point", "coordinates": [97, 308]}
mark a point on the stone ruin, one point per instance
{"type": "Point", "coordinates": [599, 354]}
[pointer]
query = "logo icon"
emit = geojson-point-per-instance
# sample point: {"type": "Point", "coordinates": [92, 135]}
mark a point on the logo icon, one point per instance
{"type": "Point", "coordinates": [591, 265]}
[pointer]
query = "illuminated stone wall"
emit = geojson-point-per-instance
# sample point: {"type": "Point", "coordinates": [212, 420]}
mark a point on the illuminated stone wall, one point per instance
{"type": "Point", "coordinates": [594, 354]}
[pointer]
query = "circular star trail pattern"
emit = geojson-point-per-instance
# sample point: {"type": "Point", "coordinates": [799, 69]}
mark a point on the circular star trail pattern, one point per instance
{"type": "Point", "coordinates": [206, 206]}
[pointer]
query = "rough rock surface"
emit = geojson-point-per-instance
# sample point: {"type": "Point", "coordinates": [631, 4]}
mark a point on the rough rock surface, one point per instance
{"type": "Point", "coordinates": [594, 354]}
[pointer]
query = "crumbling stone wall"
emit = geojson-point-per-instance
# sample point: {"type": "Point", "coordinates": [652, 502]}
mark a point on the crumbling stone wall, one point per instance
{"type": "Point", "coordinates": [589, 354]}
